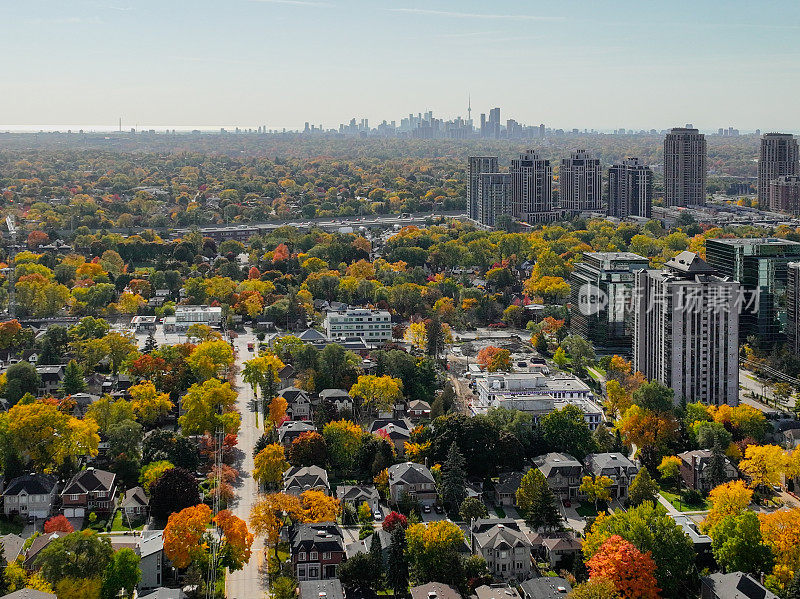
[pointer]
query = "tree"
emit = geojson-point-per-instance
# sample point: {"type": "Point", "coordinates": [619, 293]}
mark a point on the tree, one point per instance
{"type": "Point", "coordinates": [365, 513]}
{"type": "Point", "coordinates": [433, 551]}
{"type": "Point", "coordinates": [208, 407]}
{"type": "Point", "coordinates": [650, 529]}
{"type": "Point", "coordinates": [210, 358]}
{"type": "Point", "coordinates": [737, 544]}
{"type": "Point", "coordinates": [160, 445]}
{"type": "Point", "coordinates": [728, 499]}
{"type": "Point", "coordinates": [453, 485]}
{"type": "Point", "coordinates": [781, 533]}
{"type": "Point", "coordinates": [119, 349]}
{"type": "Point", "coordinates": [107, 412]}
{"type": "Point", "coordinates": [417, 336]}
{"type": "Point", "coordinates": [598, 588]}
{"type": "Point", "coordinates": [393, 520]}
{"type": "Point", "coordinates": [124, 438]}
{"type": "Point", "coordinates": [566, 431]}
{"type": "Point", "coordinates": [277, 410]}
{"type": "Point", "coordinates": [183, 533]}
{"type": "Point", "coordinates": [262, 371]}
{"type": "Point", "coordinates": [122, 573]}
{"type": "Point", "coordinates": [493, 358]}
{"type": "Point", "coordinates": [21, 378]}
{"type": "Point", "coordinates": [359, 572]}
{"type": "Point", "coordinates": [596, 488]}
{"type": "Point", "coordinates": [270, 464]}
{"type": "Point", "coordinates": [319, 507]}
{"type": "Point", "coordinates": [645, 428]}
{"type": "Point", "coordinates": [379, 393]}
{"type": "Point", "coordinates": [536, 501]}
{"type": "Point", "coordinates": [618, 399]}
{"type": "Point", "coordinates": [237, 540]}
{"type": "Point", "coordinates": [308, 449]}
{"type": "Point", "coordinates": [268, 514]}
{"type": "Point", "coordinates": [764, 464]}
{"type": "Point", "coordinates": [629, 569]}
{"type": "Point", "coordinates": [79, 588]}
{"type": "Point", "coordinates": [560, 357]}
{"type": "Point", "coordinates": [793, 589]}
{"type": "Point", "coordinates": [149, 405]}
{"type": "Point", "coordinates": [643, 488]}
{"type": "Point", "coordinates": [342, 438]}
{"type": "Point", "coordinates": [173, 491]}
{"type": "Point", "coordinates": [655, 397]}
{"type": "Point", "coordinates": [152, 471]}
{"type": "Point", "coordinates": [82, 554]}
{"type": "Point", "coordinates": [283, 587]}
{"type": "Point", "coordinates": [58, 523]}
{"type": "Point", "coordinates": [670, 468]}
{"type": "Point", "coordinates": [73, 379]}
{"type": "Point", "coordinates": [397, 570]}
{"type": "Point", "coordinates": [472, 509]}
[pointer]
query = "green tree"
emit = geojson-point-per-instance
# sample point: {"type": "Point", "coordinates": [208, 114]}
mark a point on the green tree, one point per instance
{"type": "Point", "coordinates": [472, 509]}
{"type": "Point", "coordinates": [73, 379]}
{"type": "Point", "coordinates": [566, 431]}
{"type": "Point", "coordinates": [359, 573]}
{"type": "Point", "coordinates": [122, 574]}
{"type": "Point", "coordinates": [737, 544]}
{"type": "Point", "coordinates": [453, 484]}
{"type": "Point", "coordinates": [655, 397]}
{"type": "Point", "coordinates": [284, 587]}
{"type": "Point", "coordinates": [793, 588]}
{"type": "Point", "coordinates": [536, 501]}
{"type": "Point", "coordinates": [643, 488]}
{"type": "Point", "coordinates": [397, 574]}
{"type": "Point", "coordinates": [21, 378]}
{"type": "Point", "coordinates": [82, 554]}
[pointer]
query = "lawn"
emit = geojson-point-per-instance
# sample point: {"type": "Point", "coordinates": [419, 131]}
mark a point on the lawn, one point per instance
{"type": "Point", "coordinates": [586, 510]}
{"type": "Point", "coordinates": [682, 506]}
{"type": "Point", "coordinates": [11, 526]}
{"type": "Point", "coordinates": [121, 524]}
{"type": "Point", "coordinates": [501, 513]}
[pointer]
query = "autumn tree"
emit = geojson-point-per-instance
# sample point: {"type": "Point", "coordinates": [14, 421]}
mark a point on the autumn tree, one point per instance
{"type": "Point", "coordinates": [309, 449]}
{"type": "Point", "coordinates": [173, 491]}
{"type": "Point", "coordinates": [780, 531]}
{"type": "Point", "coordinates": [433, 551]}
{"type": "Point", "coordinates": [394, 519]}
{"type": "Point", "coordinates": [277, 410]}
{"type": "Point", "coordinates": [643, 488]}
{"type": "Point", "coordinates": [417, 336]}
{"type": "Point", "coordinates": [183, 533]}
{"type": "Point", "coordinates": [596, 488]}
{"type": "Point", "coordinates": [270, 464]}
{"type": "Point", "coordinates": [764, 464]}
{"type": "Point", "coordinates": [237, 540]}
{"type": "Point", "coordinates": [319, 507]}
{"type": "Point", "coordinates": [728, 499]}
{"type": "Point", "coordinates": [149, 405]}
{"type": "Point", "coordinates": [269, 513]}
{"type": "Point", "coordinates": [58, 523]}
{"type": "Point", "coordinates": [597, 588]}
{"type": "Point", "coordinates": [629, 569]}
{"type": "Point", "coordinates": [210, 359]}
{"type": "Point", "coordinates": [378, 393]}
{"type": "Point", "coordinates": [208, 407]}
{"type": "Point", "coordinates": [342, 438]}
{"type": "Point", "coordinates": [494, 359]}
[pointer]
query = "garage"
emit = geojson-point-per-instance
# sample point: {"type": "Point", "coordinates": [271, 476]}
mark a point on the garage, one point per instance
{"type": "Point", "coordinates": [74, 512]}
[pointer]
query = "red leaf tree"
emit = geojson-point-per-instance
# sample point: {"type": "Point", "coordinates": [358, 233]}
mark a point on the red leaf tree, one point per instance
{"type": "Point", "coordinates": [631, 571]}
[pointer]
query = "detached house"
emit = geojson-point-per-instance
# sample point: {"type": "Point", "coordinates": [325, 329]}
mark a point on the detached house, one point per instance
{"type": "Point", "coordinates": [290, 430]}
{"type": "Point", "coordinates": [339, 398]}
{"type": "Point", "coordinates": [562, 472]}
{"type": "Point", "coordinates": [30, 495]}
{"type": "Point", "coordinates": [413, 479]}
{"type": "Point", "coordinates": [615, 466]}
{"type": "Point", "coordinates": [505, 489]}
{"type": "Point", "coordinates": [316, 550]}
{"type": "Point", "coordinates": [298, 403]}
{"type": "Point", "coordinates": [397, 430]}
{"type": "Point", "coordinates": [135, 504]}
{"type": "Point", "coordinates": [51, 377]}
{"type": "Point", "coordinates": [297, 480]}
{"type": "Point", "coordinates": [696, 470]}
{"type": "Point", "coordinates": [356, 495]}
{"type": "Point", "coordinates": [506, 549]}
{"type": "Point", "coordinates": [91, 490]}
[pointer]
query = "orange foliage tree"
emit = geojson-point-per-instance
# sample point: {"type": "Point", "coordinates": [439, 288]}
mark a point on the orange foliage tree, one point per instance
{"type": "Point", "coordinates": [237, 540]}
{"type": "Point", "coordinates": [630, 570]}
{"type": "Point", "coordinates": [183, 533]}
{"type": "Point", "coordinates": [269, 514]}
{"type": "Point", "coordinates": [493, 358]}
{"type": "Point", "coordinates": [58, 524]}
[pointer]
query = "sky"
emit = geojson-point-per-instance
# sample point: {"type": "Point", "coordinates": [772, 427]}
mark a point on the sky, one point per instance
{"type": "Point", "coordinates": [586, 64]}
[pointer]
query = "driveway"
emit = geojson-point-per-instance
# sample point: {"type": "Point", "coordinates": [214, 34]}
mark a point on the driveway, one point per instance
{"type": "Point", "coordinates": [251, 581]}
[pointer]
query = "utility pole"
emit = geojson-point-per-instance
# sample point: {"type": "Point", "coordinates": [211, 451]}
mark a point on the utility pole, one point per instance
{"type": "Point", "coordinates": [12, 228]}
{"type": "Point", "coordinates": [211, 579]}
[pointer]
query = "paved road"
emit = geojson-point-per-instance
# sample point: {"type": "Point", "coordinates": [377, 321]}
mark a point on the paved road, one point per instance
{"type": "Point", "coordinates": [251, 581]}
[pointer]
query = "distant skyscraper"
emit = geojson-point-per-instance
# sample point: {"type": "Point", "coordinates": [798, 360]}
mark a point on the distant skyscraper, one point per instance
{"type": "Point", "coordinates": [685, 167]}
{"type": "Point", "coordinates": [793, 308]}
{"type": "Point", "coordinates": [686, 330]}
{"type": "Point", "coordinates": [531, 185]}
{"type": "Point", "coordinates": [580, 182]}
{"type": "Point", "coordinates": [494, 197]}
{"type": "Point", "coordinates": [784, 194]}
{"type": "Point", "coordinates": [630, 189]}
{"type": "Point", "coordinates": [494, 123]}
{"type": "Point", "coordinates": [477, 166]}
{"type": "Point", "coordinates": [778, 156]}
{"type": "Point", "coordinates": [759, 264]}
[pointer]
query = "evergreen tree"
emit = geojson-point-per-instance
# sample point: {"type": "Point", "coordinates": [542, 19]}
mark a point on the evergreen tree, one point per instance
{"type": "Point", "coordinates": [643, 488]}
{"type": "Point", "coordinates": [716, 469]}
{"type": "Point", "coordinates": [73, 379]}
{"type": "Point", "coordinates": [376, 553]}
{"type": "Point", "coordinates": [398, 563]}
{"type": "Point", "coordinates": [454, 489]}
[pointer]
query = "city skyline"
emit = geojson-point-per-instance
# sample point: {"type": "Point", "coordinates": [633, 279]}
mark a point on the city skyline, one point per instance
{"type": "Point", "coordinates": [284, 62]}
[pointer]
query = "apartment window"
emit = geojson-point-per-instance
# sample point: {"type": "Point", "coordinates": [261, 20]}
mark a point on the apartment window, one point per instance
{"type": "Point", "coordinates": [301, 573]}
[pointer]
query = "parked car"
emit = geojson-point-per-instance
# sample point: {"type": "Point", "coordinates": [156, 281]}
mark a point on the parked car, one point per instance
{"type": "Point", "coordinates": [439, 509]}
{"type": "Point", "coordinates": [378, 516]}
{"type": "Point", "coordinates": [426, 509]}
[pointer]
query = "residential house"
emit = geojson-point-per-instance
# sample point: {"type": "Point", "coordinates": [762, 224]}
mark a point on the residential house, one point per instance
{"type": "Point", "coordinates": [562, 472]}
{"type": "Point", "coordinates": [12, 546]}
{"type": "Point", "coordinates": [90, 490]}
{"type": "Point", "coordinates": [496, 591]}
{"type": "Point", "coordinates": [356, 495]}
{"type": "Point", "coordinates": [151, 559]}
{"type": "Point", "coordinates": [736, 585]}
{"type": "Point", "coordinates": [29, 594]}
{"type": "Point", "coordinates": [546, 587]}
{"type": "Point", "coordinates": [413, 479]}
{"type": "Point", "coordinates": [397, 430]}
{"type": "Point", "coordinates": [559, 546]}
{"type": "Point", "coordinates": [506, 549]}
{"type": "Point", "coordinates": [321, 589]}
{"type": "Point", "coordinates": [135, 505]}
{"type": "Point", "coordinates": [316, 550]}
{"type": "Point", "coordinates": [615, 466]}
{"type": "Point", "coordinates": [505, 489]}
{"type": "Point", "coordinates": [696, 470]}
{"type": "Point", "coordinates": [291, 429]}
{"type": "Point", "coordinates": [364, 545]}
{"type": "Point", "coordinates": [419, 409]}
{"type": "Point", "coordinates": [36, 547]}
{"type": "Point", "coordinates": [82, 403]}
{"type": "Point", "coordinates": [51, 379]}
{"type": "Point", "coordinates": [298, 403]}
{"type": "Point", "coordinates": [434, 590]}
{"type": "Point", "coordinates": [296, 480]}
{"type": "Point", "coordinates": [700, 541]}
{"type": "Point", "coordinates": [30, 495]}
{"type": "Point", "coordinates": [339, 398]}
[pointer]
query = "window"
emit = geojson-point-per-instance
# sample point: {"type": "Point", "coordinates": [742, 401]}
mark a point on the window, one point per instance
{"type": "Point", "coordinates": [302, 556]}
{"type": "Point", "coordinates": [326, 555]}
{"type": "Point", "coordinates": [314, 556]}
{"type": "Point", "coordinates": [301, 572]}
{"type": "Point", "coordinates": [74, 497]}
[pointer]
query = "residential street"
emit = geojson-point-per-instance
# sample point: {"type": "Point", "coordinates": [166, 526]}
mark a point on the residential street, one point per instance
{"type": "Point", "coordinates": [251, 581]}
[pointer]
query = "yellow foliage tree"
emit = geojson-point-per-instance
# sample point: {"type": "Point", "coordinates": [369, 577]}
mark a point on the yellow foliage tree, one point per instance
{"type": "Point", "coordinates": [209, 406]}
{"type": "Point", "coordinates": [319, 507]}
{"type": "Point", "coordinates": [270, 464]}
{"type": "Point", "coordinates": [148, 404]}
{"type": "Point", "coordinates": [379, 393]}
{"type": "Point", "coordinates": [728, 499]}
{"type": "Point", "coordinates": [417, 336]}
{"type": "Point", "coordinates": [209, 359]}
{"type": "Point", "coordinates": [764, 464]}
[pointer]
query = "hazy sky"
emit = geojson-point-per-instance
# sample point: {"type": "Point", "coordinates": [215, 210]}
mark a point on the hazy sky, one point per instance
{"type": "Point", "coordinates": [592, 63]}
